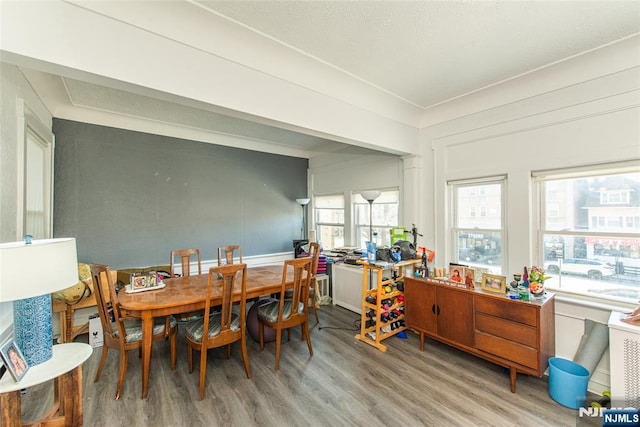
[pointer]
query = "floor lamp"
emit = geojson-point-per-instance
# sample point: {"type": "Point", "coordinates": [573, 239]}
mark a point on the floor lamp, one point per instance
{"type": "Point", "coordinates": [370, 196]}
{"type": "Point", "coordinates": [303, 203]}
{"type": "Point", "coordinates": [29, 272]}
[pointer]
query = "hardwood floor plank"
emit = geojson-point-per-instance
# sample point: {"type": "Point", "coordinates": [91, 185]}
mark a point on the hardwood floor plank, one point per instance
{"type": "Point", "coordinates": [345, 383]}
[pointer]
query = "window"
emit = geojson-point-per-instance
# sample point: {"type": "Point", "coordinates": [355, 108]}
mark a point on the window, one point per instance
{"type": "Point", "coordinates": [35, 190]}
{"type": "Point", "coordinates": [329, 215]}
{"type": "Point", "coordinates": [592, 247]}
{"type": "Point", "coordinates": [384, 214]}
{"type": "Point", "coordinates": [478, 239]}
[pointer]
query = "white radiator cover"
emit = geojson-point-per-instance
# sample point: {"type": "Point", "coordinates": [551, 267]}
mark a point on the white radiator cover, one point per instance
{"type": "Point", "coordinates": [624, 353]}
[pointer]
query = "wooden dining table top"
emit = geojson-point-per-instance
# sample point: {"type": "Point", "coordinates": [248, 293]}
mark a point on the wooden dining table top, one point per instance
{"type": "Point", "coordinates": [189, 290]}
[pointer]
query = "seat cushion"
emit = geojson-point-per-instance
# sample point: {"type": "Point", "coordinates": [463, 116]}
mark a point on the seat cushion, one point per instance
{"type": "Point", "coordinates": [193, 330]}
{"type": "Point", "coordinates": [269, 312]}
{"type": "Point", "coordinates": [82, 289]}
{"type": "Point", "coordinates": [134, 328]}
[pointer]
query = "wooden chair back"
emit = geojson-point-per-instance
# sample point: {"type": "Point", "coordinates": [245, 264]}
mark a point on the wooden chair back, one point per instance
{"type": "Point", "coordinates": [226, 253]}
{"type": "Point", "coordinates": [221, 332]}
{"type": "Point", "coordinates": [294, 295]}
{"type": "Point", "coordinates": [116, 337]}
{"type": "Point", "coordinates": [314, 253]}
{"type": "Point", "coordinates": [185, 257]}
{"type": "Point", "coordinates": [228, 275]}
{"type": "Point", "coordinates": [108, 307]}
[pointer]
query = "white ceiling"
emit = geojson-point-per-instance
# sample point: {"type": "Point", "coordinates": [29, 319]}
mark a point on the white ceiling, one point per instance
{"type": "Point", "coordinates": [430, 52]}
{"type": "Point", "coordinates": [424, 53]}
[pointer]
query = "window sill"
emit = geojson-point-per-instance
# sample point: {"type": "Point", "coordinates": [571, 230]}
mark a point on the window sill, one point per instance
{"type": "Point", "coordinates": [585, 300]}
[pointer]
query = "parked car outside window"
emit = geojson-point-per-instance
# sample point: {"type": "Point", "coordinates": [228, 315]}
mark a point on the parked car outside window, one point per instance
{"type": "Point", "coordinates": [586, 267]}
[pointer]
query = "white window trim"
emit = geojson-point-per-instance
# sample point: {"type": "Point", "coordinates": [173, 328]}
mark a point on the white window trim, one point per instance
{"type": "Point", "coordinates": [27, 121]}
{"type": "Point", "coordinates": [452, 242]}
{"type": "Point", "coordinates": [564, 295]}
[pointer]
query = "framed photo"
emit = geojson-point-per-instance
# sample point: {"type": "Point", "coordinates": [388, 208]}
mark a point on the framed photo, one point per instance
{"type": "Point", "coordinates": [152, 279]}
{"type": "Point", "coordinates": [470, 277]}
{"type": "Point", "coordinates": [14, 360]}
{"type": "Point", "coordinates": [138, 282]}
{"type": "Point", "coordinates": [494, 283]}
{"type": "Point", "coordinates": [456, 273]}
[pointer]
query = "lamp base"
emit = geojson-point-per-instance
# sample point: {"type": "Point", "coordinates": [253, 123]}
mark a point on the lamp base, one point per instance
{"type": "Point", "coordinates": [32, 328]}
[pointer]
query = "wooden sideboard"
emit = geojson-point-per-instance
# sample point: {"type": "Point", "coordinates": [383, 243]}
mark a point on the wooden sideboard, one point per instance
{"type": "Point", "coordinates": [519, 335]}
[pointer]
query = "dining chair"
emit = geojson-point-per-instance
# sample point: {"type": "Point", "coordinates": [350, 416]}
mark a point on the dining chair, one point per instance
{"type": "Point", "coordinates": [226, 253]}
{"type": "Point", "coordinates": [184, 258]}
{"type": "Point", "coordinates": [224, 327]}
{"type": "Point", "coordinates": [288, 312]}
{"type": "Point", "coordinates": [121, 332]}
{"type": "Point", "coordinates": [314, 253]}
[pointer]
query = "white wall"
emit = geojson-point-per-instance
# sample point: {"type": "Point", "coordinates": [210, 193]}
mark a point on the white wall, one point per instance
{"type": "Point", "coordinates": [344, 173]}
{"type": "Point", "coordinates": [17, 96]}
{"type": "Point", "coordinates": [582, 123]}
{"type": "Point", "coordinates": [143, 46]}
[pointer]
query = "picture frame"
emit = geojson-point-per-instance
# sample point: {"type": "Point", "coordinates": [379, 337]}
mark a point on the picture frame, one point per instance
{"type": "Point", "coordinates": [14, 360]}
{"type": "Point", "coordinates": [494, 283]}
{"type": "Point", "coordinates": [152, 279]}
{"type": "Point", "coordinates": [469, 277]}
{"type": "Point", "coordinates": [456, 273]}
{"type": "Point", "coordinates": [138, 282]}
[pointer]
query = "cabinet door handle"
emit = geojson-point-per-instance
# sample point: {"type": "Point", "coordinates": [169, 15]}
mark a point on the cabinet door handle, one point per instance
{"type": "Point", "coordinates": [433, 308]}
{"type": "Point", "coordinates": [438, 311]}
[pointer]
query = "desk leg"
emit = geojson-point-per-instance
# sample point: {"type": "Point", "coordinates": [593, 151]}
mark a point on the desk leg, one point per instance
{"type": "Point", "coordinates": [11, 408]}
{"type": "Point", "coordinates": [147, 336]}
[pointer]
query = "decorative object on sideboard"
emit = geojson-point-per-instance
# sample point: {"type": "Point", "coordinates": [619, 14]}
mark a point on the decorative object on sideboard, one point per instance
{"type": "Point", "coordinates": [536, 282]}
{"type": "Point", "coordinates": [29, 272]}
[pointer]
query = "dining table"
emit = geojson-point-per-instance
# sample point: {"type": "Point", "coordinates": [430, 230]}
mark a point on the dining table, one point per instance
{"type": "Point", "coordinates": [186, 294]}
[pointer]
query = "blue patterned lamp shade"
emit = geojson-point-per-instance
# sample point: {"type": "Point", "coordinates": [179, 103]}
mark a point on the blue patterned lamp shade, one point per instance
{"type": "Point", "coordinates": [29, 273]}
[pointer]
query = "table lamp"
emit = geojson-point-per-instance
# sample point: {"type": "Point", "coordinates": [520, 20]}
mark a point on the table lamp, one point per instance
{"type": "Point", "coordinates": [29, 272]}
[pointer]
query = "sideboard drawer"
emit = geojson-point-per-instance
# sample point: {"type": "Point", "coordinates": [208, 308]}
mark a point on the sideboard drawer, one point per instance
{"type": "Point", "coordinates": [511, 331]}
{"type": "Point", "coordinates": [509, 350]}
{"type": "Point", "coordinates": [507, 310]}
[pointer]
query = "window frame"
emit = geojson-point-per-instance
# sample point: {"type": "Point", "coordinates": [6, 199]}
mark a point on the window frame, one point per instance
{"type": "Point", "coordinates": [33, 134]}
{"type": "Point", "coordinates": [319, 224]}
{"type": "Point", "coordinates": [357, 200]}
{"type": "Point", "coordinates": [596, 225]}
{"type": "Point", "coordinates": [480, 183]}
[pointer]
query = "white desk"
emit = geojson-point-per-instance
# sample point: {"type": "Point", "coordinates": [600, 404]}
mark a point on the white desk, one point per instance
{"type": "Point", "coordinates": [65, 368]}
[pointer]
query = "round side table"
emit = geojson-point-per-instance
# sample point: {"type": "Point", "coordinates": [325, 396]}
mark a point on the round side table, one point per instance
{"type": "Point", "coordinates": [65, 368]}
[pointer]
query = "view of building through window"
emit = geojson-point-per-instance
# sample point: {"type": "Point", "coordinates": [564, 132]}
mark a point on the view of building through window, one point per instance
{"type": "Point", "coordinates": [478, 224]}
{"type": "Point", "coordinates": [591, 233]}
{"type": "Point", "coordinates": [329, 216]}
{"type": "Point", "coordinates": [384, 213]}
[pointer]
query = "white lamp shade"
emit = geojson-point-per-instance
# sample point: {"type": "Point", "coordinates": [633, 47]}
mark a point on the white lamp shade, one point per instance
{"type": "Point", "coordinates": [303, 201]}
{"type": "Point", "coordinates": [40, 268]}
{"type": "Point", "coordinates": [370, 195]}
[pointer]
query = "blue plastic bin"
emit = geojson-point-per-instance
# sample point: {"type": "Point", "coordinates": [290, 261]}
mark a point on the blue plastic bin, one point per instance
{"type": "Point", "coordinates": [568, 382]}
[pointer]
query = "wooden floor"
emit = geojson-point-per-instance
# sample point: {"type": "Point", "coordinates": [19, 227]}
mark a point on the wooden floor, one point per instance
{"type": "Point", "coordinates": [345, 383]}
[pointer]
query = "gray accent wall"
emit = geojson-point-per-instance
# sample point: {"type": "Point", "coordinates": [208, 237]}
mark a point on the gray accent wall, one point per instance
{"type": "Point", "coordinates": [129, 198]}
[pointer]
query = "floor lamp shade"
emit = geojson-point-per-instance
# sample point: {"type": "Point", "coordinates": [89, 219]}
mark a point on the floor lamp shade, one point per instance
{"type": "Point", "coordinates": [29, 273]}
{"type": "Point", "coordinates": [303, 202]}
